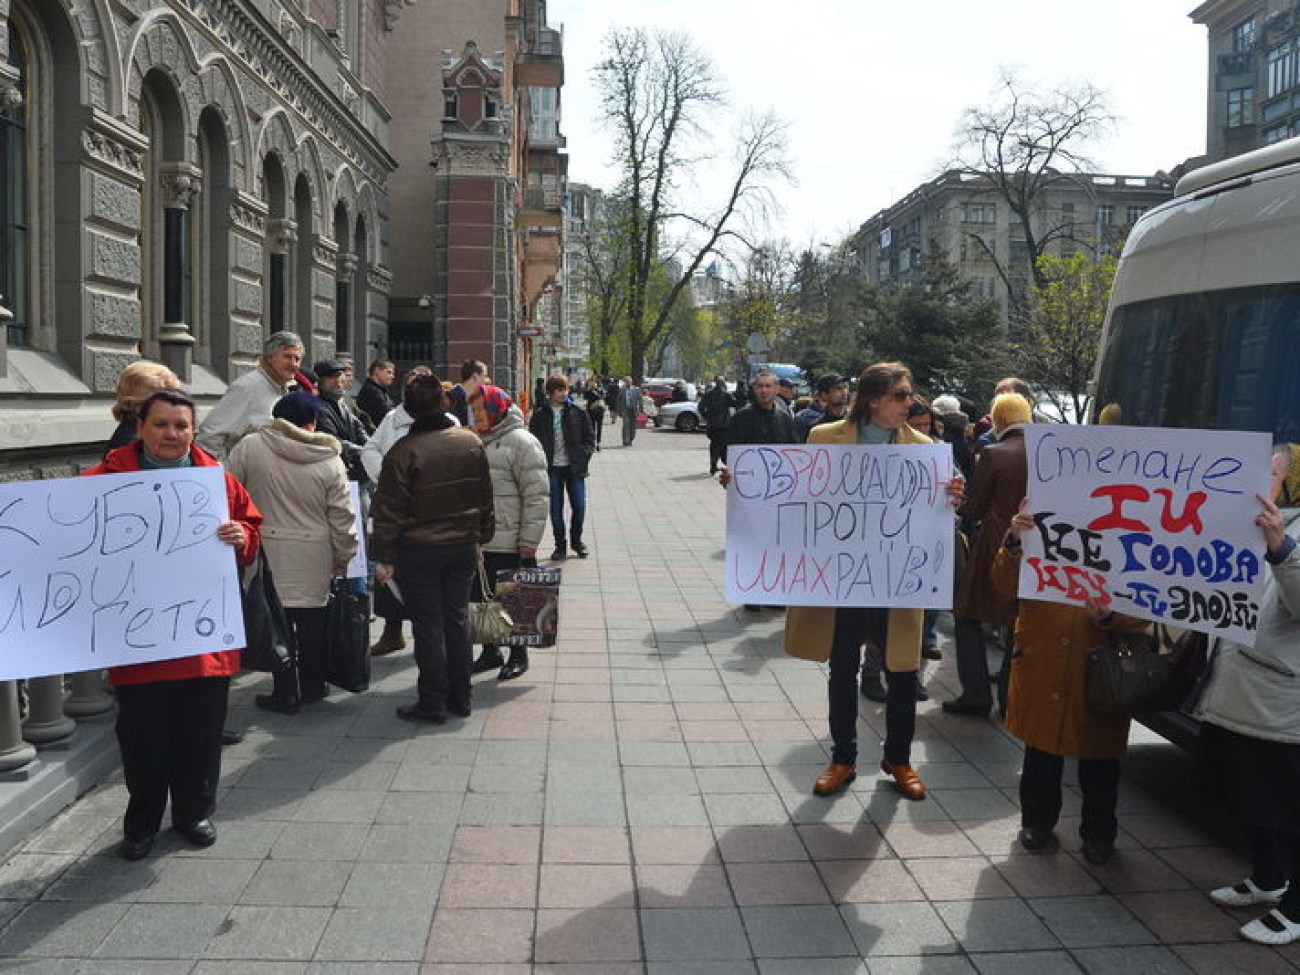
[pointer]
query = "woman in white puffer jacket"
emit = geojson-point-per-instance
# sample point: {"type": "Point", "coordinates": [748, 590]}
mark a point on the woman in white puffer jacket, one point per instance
{"type": "Point", "coordinates": [521, 492]}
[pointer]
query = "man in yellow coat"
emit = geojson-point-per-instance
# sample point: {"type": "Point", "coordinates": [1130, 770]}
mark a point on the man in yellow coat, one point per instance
{"type": "Point", "coordinates": [878, 416]}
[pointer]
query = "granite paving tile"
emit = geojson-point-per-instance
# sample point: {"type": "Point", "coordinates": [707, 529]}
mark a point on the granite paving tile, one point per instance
{"type": "Point", "coordinates": [682, 886]}
{"type": "Point", "coordinates": [65, 929]}
{"type": "Point", "coordinates": [269, 933]}
{"type": "Point", "coordinates": [761, 884]}
{"type": "Point", "coordinates": [700, 934]}
{"type": "Point", "coordinates": [162, 931]}
{"type": "Point", "coordinates": [481, 936]}
{"type": "Point", "coordinates": [1132, 961]}
{"type": "Point", "coordinates": [803, 931]}
{"type": "Point", "coordinates": [1090, 922]}
{"type": "Point", "coordinates": [898, 929]}
{"type": "Point", "coordinates": [996, 925]}
{"type": "Point", "coordinates": [602, 935]}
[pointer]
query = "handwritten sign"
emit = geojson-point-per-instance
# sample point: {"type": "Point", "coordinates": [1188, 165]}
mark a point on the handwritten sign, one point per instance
{"type": "Point", "coordinates": [837, 525]}
{"type": "Point", "coordinates": [117, 569]}
{"type": "Point", "coordinates": [1155, 523]}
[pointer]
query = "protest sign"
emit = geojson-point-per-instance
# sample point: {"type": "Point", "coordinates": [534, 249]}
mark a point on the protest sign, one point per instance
{"type": "Point", "coordinates": [532, 598]}
{"type": "Point", "coordinates": [116, 569]}
{"type": "Point", "coordinates": [840, 525]}
{"type": "Point", "coordinates": [359, 567]}
{"type": "Point", "coordinates": [1155, 523]}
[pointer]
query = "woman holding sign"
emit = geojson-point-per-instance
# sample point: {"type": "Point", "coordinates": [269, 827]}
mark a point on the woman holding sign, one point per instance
{"type": "Point", "coordinates": [170, 713]}
{"type": "Point", "coordinates": [1251, 713]}
{"type": "Point", "coordinates": [878, 416]}
{"type": "Point", "coordinates": [1047, 707]}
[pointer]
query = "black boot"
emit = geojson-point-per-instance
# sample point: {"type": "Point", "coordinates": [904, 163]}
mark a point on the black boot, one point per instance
{"type": "Point", "coordinates": [489, 659]}
{"type": "Point", "coordinates": [516, 666]}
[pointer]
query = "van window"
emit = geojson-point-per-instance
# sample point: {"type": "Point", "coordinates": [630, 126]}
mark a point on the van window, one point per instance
{"type": "Point", "coordinates": [1216, 360]}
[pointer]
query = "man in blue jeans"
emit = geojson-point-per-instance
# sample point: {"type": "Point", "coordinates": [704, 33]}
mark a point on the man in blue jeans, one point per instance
{"type": "Point", "coordinates": [565, 432]}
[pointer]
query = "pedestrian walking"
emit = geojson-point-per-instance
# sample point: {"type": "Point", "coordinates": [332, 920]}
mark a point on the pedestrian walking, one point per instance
{"type": "Point", "coordinates": [432, 510]}
{"type": "Point", "coordinates": [629, 408]}
{"type": "Point", "coordinates": [717, 406]}
{"type": "Point", "coordinates": [593, 395]}
{"type": "Point", "coordinates": [296, 477]}
{"type": "Point", "coordinates": [566, 437]}
{"type": "Point", "coordinates": [170, 714]}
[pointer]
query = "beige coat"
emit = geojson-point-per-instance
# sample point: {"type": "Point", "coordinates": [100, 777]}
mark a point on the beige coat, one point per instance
{"type": "Point", "coordinates": [809, 630]}
{"type": "Point", "coordinates": [298, 482]}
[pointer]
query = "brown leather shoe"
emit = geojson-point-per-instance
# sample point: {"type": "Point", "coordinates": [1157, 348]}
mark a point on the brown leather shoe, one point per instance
{"type": "Point", "coordinates": [835, 779]}
{"type": "Point", "coordinates": [390, 641]}
{"type": "Point", "coordinates": [905, 777]}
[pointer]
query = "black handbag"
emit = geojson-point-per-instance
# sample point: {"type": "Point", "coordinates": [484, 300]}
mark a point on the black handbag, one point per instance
{"type": "Point", "coordinates": [268, 637]}
{"type": "Point", "coordinates": [347, 638]}
{"type": "Point", "coordinates": [1128, 679]}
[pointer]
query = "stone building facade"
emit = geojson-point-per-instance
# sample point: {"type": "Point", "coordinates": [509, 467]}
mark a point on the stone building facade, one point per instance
{"type": "Point", "coordinates": [478, 196]}
{"type": "Point", "coordinates": [961, 219]}
{"type": "Point", "coordinates": [1254, 73]}
{"type": "Point", "coordinates": [179, 179]}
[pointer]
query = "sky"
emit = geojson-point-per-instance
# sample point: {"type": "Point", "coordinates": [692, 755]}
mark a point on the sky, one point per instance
{"type": "Point", "coordinates": [873, 91]}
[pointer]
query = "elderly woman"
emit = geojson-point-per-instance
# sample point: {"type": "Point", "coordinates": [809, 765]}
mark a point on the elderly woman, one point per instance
{"type": "Point", "coordinates": [170, 713]}
{"type": "Point", "coordinates": [1047, 707]}
{"type": "Point", "coordinates": [520, 492]}
{"type": "Point", "coordinates": [1250, 707]}
{"type": "Point", "coordinates": [137, 381]}
{"type": "Point", "coordinates": [297, 478]}
{"type": "Point", "coordinates": [432, 510]}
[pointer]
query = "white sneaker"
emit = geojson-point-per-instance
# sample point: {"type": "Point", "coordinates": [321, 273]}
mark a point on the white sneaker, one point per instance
{"type": "Point", "coordinates": [1246, 894]}
{"type": "Point", "coordinates": [1274, 928]}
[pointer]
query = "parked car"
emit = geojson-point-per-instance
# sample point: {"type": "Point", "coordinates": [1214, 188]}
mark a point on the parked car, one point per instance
{"type": "Point", "coordinates": [683, 417]}
{"type": "Point", "coordinates": [661, 390]}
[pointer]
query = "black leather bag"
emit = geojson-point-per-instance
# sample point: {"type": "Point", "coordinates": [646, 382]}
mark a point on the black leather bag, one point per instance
{"type": "Point", "coordinates": [1128, 679]}
{"type": "Point", "coordinates": [347, 638]}
{"type": "Point", "coordinates": [269, 643]}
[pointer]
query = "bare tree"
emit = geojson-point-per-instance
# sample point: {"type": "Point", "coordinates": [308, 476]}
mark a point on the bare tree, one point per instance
{"type": "Point", "coordinates": [658, 89]}
{"type": "Point", "coordinates": [1019, 147]}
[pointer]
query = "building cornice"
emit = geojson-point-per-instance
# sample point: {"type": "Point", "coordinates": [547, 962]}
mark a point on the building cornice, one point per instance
{"type": "Point", "coordinates": [242, 29]}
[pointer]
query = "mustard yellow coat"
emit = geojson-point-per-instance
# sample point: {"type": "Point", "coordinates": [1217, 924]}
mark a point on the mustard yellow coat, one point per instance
{"type": "Point", "coordinates": [809, 630]}
{"type": "Point", "coordinates": [1047, 706]}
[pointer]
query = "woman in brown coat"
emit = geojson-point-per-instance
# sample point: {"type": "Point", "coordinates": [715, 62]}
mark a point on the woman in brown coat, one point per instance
{"type": "Point", "coordinates": [1047, 708]}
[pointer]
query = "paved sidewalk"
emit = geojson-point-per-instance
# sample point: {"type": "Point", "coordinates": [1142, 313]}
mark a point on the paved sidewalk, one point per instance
{"type": "Point", "coordinates": [639, 802]}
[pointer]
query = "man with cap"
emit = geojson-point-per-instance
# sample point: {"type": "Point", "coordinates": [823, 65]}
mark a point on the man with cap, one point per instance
{"type": "Point", "coordinates": [785, 394]}
{"type": "Point", "coordinates": [831, 404]}
{"type": "Point", "coordinates": [337, 419]}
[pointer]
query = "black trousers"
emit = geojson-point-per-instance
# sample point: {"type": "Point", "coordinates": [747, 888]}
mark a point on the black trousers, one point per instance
{"type": "Point", "coordinates": [853, 627]}
{"type": "Point", "coordinates": [717, 448]}
{"type": "Point", "coordinates": [435, 585]}
{"type": "Point", "coordinates": [307, 678]}
{"type": "Point", "coordinates": [169, 733]}
{"type": "Point", "coordinates": [1040, 794]}
{"type": "Point", "coordinates": [597, 418]}
{"type": "Point", "coordinates": [973, 663]}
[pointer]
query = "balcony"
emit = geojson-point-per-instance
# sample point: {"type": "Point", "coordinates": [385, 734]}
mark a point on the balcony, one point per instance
{"type": "Point", "coordinates": [541, 63]}
{"type": "Point", "coordinates": [543, 203]}
{"type": "Point", "coordinates": [543, 257]}
{"type": "Point", "coordinates": [1236, 64]}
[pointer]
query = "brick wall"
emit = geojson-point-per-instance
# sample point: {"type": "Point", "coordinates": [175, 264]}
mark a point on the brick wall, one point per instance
{"type": "Point", "coordinates": [325, 13]}
{"type": "Point", "coordinates": [375, 40]}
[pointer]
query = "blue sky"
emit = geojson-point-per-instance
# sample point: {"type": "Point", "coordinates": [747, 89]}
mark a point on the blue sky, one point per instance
{"type": "Point", "coordinates": [873, 91]}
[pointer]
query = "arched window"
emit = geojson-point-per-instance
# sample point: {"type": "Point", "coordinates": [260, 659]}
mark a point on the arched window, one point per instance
{"type": "Point", "coordinates": [346, 264]}
{"type": "Point", "coordinates": [15, 175]}
{"type": "Point", "coordinates": [304, 310]}
{"type": "Point", "coordinates": [210, 236]}
{"type": "Point", "coordinates": [280, 237]}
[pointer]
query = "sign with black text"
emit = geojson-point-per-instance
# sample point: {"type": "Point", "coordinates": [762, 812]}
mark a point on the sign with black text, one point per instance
{"type": "Point", "coordinates": [532, 598]}
{"type": "Point", "coordinates": [115, 569]}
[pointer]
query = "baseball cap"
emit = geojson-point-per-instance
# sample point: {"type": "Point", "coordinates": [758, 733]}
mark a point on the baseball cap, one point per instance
{"type": "Point", "coordinates": [829, 381]}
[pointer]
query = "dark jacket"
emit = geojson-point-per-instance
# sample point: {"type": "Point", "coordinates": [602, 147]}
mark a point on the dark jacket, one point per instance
{"type": "Point", "coordinates": [753, 424]}
{"type": "Point", "coordinates": [374, 401]}
{"type": "Point", "coordinates": [579, 437]}
{"type": "Point", "coordinates": [345, 427]}
{"type": "Point", "coordinates": [434, 489]}
{"type": "Point", "coordinates": [717, 406]}
{"type": "Point", "coordinates": [995, 494]}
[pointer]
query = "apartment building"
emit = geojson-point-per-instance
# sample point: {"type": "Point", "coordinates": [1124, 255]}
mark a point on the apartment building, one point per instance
{"type": "Point", "coordinates": [960, 218]}
{"type": "Point", "coordinates": [1254, 73]}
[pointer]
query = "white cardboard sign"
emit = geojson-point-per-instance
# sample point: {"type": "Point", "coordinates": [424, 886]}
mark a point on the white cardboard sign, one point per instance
{"type": "Point", "coordinates": [359, 567]}
{"type": "Point", "coordinates": [840, 525]}
{"type": "Point", "coordinates": [1155, 523]}
{"type": "Point", "coordinates": [115, 569]}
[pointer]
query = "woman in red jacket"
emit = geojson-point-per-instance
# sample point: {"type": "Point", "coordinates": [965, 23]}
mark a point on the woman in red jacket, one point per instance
{"type": "Point", "coordinates": [171, 712]}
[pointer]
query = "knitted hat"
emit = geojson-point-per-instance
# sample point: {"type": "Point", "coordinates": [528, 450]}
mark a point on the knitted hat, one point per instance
{"type": "Point", "coordinates": [298, 408]}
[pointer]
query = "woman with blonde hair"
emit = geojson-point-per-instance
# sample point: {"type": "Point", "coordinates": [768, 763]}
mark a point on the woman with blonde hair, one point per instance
{"type": "Point", "coordinates": [137, 382]}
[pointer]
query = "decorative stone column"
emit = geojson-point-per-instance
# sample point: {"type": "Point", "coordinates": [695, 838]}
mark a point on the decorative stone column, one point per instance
{"type": "Point", "coordinates": [46, 722]}
{"type": "Point", "coordinates": [345, 330]}
{"type": "Point", "coordinates": [14, 752]}
{"type": "Point", "coordinates": [88, 697]}
{"type": "Point", "coordinates": [180, 184]}
{"type": "Point", "coordinates": [281, 235]}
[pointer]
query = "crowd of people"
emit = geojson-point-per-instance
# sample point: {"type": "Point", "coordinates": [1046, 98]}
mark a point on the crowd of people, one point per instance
{"type": "Point", "coordinates": [456, 477]}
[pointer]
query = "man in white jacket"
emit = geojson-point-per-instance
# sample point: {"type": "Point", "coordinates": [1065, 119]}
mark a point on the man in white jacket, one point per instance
{"type": "Point", "coordinates": [249, 400]}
